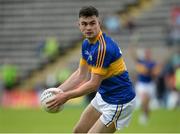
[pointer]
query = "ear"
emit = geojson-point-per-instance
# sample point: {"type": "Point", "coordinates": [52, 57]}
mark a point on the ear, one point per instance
{"type": "Point", "coordinates": [99, 21]}
{"type": "Point", "coordinates": [77, 23]}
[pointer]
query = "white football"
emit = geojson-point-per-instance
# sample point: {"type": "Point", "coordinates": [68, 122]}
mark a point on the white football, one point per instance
{"type": "Point", "coordinates": [46, 96]}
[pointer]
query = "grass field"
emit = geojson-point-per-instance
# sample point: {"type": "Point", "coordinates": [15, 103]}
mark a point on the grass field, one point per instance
{"type": "Point", "coordinates": [36, 121]}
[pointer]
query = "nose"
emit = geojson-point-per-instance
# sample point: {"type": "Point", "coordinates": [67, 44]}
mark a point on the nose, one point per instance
{"type": "Point", "coordinates": [88, 27]}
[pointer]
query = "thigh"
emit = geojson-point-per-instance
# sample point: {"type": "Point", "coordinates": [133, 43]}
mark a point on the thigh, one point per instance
{"type": "Point", "coordinates": [87, 119]}
{"type": "Point", "coordinates": [99, 127]}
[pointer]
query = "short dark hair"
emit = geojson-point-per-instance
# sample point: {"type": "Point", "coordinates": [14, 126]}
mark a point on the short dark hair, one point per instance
{"type": "Point", "coordinates": [88, 11]}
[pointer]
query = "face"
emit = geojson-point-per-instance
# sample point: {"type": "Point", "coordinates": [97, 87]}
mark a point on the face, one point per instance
{"type": "Point", "coordinates": [89, 26]}
{"type": "Point", "coordinates": [148, 54]}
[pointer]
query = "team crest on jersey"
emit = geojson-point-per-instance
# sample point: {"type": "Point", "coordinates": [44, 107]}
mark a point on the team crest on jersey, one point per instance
{"type": "Point", "coordinates": [89, 55]}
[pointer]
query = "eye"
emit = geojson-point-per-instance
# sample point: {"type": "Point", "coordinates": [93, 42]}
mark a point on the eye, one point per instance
{"type": "Point", "coordinates": [84, 24]}
{"type": "Point", "coordinates": [92, 23]}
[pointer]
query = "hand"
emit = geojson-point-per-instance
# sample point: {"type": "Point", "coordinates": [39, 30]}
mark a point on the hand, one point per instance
{"type": "Point", "coordinates": [60, 99]}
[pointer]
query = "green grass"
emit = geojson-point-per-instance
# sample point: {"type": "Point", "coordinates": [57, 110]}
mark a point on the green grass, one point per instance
{"type": "Point", "coordinates": [36, 121]}
{"type": "Point", "coordinates": [161, 121]}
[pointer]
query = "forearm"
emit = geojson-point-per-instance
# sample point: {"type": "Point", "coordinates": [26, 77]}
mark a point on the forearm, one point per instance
{"type": "Point", "coordinates": [73, 81]}
{"type": "Point", "coordinates": [84, 89]}
{"type": "Point", "coordinates": [89, 86]}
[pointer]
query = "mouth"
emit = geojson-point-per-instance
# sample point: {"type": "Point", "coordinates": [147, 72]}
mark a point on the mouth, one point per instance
{"type": "Point", "coordinates": [88, 33]}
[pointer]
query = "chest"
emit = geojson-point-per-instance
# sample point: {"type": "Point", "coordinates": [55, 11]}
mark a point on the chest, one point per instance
{"type": "Point", "coordinates": [90, 53]}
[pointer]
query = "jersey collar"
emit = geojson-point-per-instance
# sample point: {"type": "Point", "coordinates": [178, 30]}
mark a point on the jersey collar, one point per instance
{"type": "Point", "coordinates": [96, 39]}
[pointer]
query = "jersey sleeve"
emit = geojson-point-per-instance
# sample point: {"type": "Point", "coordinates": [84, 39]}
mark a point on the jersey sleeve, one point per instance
{"type": "Point", "coordinates": [82, 59]}
{"type": "Point", "coordinates": [82, 62]}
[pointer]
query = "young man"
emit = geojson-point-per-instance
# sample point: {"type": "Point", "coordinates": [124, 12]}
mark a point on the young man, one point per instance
{"type": "Point", "coordinates": [101, 68]}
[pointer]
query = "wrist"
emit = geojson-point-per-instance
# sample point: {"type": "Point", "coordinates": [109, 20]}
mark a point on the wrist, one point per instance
{"type": "Point", "coordinates": [60, 90]}
{"type": "Point", "coordinates": [67, 95]}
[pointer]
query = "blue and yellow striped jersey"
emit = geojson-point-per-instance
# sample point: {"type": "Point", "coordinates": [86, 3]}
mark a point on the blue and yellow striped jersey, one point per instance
{"type": "Point", "coordinates": [104, 57]}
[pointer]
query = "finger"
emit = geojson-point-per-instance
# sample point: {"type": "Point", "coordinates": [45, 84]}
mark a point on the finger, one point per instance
{"type": "Point", "coordinates": [60, 90]}
{"type": "Point", "coordinates": [54, 92]}
{"type": "Point", "coordinates": [52, 106]}
{"type": "Point", "coordinates": [52, 109]}
{"type": "Point", "coordinates": [51, 101]}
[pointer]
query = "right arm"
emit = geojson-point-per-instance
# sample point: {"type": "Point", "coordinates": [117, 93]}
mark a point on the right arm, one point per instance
{"type": "Point", "coordinates": [80, 76]}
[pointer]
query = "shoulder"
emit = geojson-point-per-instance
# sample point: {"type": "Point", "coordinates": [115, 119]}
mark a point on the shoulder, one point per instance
{"type": "Point", "coordinates": [153, 63]}
{"type": "Point", "coordinates": [85, 43]}
{"type": "Point", "coordinates": [112, 46]}
{"type": "Point", "coordinates": [110, 42]}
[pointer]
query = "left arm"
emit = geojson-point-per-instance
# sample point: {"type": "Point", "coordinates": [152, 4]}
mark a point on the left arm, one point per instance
{"type": "Point", "coordinates": [85, 88]}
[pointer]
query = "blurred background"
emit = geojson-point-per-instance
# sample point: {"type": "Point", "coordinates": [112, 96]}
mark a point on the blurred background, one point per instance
{"type": "Point", "coordinates": [40, 47]}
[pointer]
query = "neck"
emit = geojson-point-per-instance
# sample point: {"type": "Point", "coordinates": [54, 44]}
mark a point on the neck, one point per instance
{"type": "Point", "coordinates": [92, 39]}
